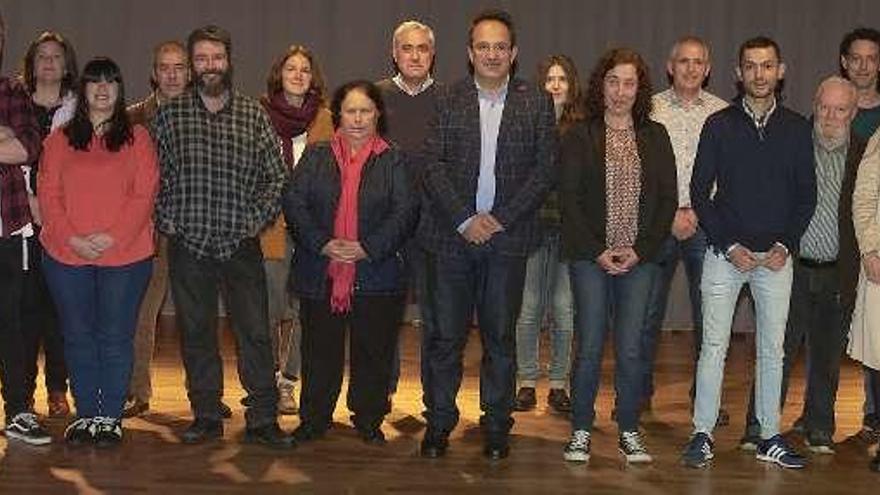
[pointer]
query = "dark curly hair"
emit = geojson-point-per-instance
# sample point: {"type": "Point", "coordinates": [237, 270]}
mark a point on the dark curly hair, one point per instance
{"type": "Point", "coordinates": [573, 109]}
{"type": "Point", "coordinates": [367, 88]}
{"type": "Point", "coordinates": [861, 33]}
{"type": "Point", "coordinates": [595, 102]}
{"type": "Point", "coordinates": [273, 80]}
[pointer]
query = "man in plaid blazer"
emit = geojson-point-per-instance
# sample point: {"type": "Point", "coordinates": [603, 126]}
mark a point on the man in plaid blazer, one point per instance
{"type": "Point", "coordinates": [491, 149]}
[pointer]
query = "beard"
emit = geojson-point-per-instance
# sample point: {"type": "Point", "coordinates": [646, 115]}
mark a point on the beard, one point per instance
{"type": "Point", "coordinates": [216, 87]}
{"type": "Point", "coordinates": [830, 140]}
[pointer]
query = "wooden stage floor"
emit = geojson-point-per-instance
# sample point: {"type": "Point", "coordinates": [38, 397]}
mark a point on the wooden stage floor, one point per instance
{"type": "Point", "coordinates": [151, 460]}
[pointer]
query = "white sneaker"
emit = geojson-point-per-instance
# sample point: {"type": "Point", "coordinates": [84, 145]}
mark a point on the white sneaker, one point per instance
{"type": "Point", "coordinates": [632, 446]}
{"type": "Point", "coordinates": [578, 448]}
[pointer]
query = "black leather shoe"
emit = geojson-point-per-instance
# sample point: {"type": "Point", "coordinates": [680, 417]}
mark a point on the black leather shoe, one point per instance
{"type": "Point", "coordinates": [372, 437]}
{"type": "Point", "coordinates": [496, 449]}
{"type": "Point", "coordinates": [225, 411]}
{"type": "Point", "coordinates": [434, 445]}
{"type": "Point", "coordinates": [525, 399]}
{"type": "Point", "coordinates": [202, 430]}
{"type": "Point", "coordinates": [269, 435]}
{"type": "Point", "coordinates": [307, 432]}
{"type": "Point", "coordinates": [558, 400]}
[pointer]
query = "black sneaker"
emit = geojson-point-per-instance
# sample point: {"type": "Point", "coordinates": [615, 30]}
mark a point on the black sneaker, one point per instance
{"type": "Point", "coordinates": [108, 431]}
{"type": "Point", "coordinates": [525, 399]}
{"type": "Point", "coordinates": [25, 427]}
{"type": "Point", "coordinates": [775, 450]}
{"type": "Point", "coordinates": [202, 430]}
{"type": "Point", "coordinates": [558, 400]}
{"type": "Point", "coordinates": [269, 435]}
{"type": "Point", "coordinates": [751, 438]}
{"type": "Point", "coordinates": [799, 426]}
{"type": "Point", "coordinates": [819, 442]}
{"type": "Point", "coordinates": [578, 447]}
{"type": "Point", "coordinates": [80, 432]}
{"type": "Point", "coordinates": [632, 446]}
{"type": "Point", "coordinates": [306, 432]}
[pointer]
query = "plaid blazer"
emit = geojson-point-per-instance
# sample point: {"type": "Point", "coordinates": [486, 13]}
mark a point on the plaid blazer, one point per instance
{"type": "Point", "coordinates": [524, 168]}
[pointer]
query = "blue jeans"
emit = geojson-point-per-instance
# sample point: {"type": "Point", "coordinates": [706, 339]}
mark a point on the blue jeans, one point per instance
{"type": "Point", "coordinates": [98, 308]}
{"type": "Point", "coordinates": [771, 292]}
{"type": "Point", "coordinates": [691, 251]}
{"type": "Point", "coordinates": [491, 284]}
{"type": "Point", "coordinates": [625, 297]}
{"type": "Point", "coordinates": [547, 285]}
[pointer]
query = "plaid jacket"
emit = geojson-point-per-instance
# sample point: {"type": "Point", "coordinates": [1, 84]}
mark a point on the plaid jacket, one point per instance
{"type": "Point", "coordinates": [221, 173]}
{"type": "Point", "coordinates": [524, 168]}
{"type": "Point", "coordinates": [17, 113]}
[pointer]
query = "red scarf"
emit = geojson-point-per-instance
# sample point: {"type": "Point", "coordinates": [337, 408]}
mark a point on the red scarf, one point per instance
{"type": "Point", "coordinates": [290, 121]}
{"type": "Point", "coordinates": [346, 224]}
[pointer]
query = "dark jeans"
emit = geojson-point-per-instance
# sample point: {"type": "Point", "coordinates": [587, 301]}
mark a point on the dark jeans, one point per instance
{"type": "Point", "coordinates": [691, 252]}
{"type": "Point", "coordinates": [39, 323]}
{"type": "Point", "coordinates": [492, 285]}
{"type": "Point", "coordinates": [625, 298]}
{"type": "Point", "coordinates": [816, 319]}
{"type": "Point", "coordinates": [98, 307]}
{"type": "Point", "coordinates": [373, 325]}
{"type": "Point", "coordinates": [12, 373]}
{"type": "Point", "coordinates": [195, 283]}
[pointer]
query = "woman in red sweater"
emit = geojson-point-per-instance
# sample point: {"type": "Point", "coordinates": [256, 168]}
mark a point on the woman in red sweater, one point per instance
{"type": "Point", "coordinates": [97, 185]}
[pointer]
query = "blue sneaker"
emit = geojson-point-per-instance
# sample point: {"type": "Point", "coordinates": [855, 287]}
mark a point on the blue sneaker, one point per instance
{"type": "Point", "coordinates": [776, 450]}
{"type": "Point", "coordinates": [698, 451]}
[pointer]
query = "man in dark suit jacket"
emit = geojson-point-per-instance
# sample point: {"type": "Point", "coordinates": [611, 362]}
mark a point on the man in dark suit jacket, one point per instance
{"type": "Point", "coordinates": [491, 148]}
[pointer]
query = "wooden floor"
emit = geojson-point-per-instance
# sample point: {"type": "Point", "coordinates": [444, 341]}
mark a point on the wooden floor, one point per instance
{"type": "Point", "coordinates": [151, 460]}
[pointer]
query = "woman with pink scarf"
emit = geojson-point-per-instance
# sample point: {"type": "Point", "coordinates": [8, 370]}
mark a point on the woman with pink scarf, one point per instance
{"type": "Point", "coordinates": [349, 207]}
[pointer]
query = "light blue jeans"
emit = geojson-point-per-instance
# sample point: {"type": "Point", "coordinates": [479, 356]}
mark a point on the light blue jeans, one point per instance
{"type": "Point", "coordinates": [771, 291]}
{"type": "Point", "coordinates": [546, 287]}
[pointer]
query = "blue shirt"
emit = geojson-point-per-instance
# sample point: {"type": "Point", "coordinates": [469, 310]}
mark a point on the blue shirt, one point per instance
{"type": "Point", "coordinates": [491, 110]}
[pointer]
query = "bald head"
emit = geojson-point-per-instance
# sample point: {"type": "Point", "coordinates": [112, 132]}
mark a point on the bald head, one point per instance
{"type": "Point", "coordinates": [834, 108]}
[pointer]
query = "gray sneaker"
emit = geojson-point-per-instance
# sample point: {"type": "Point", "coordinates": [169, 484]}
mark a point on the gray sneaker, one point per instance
{"type": "Point", "coordinates": [632, 446]}
{"type": "Point", "coordinates": [578, 448]}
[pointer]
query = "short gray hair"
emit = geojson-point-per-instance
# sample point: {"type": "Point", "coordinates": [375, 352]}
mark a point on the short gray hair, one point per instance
{"type": "Point", "coordinates": [411, 25]}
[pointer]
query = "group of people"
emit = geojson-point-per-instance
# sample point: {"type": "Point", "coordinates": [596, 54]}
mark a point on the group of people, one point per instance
{"type": "Point", "coordinates": [494, 199]}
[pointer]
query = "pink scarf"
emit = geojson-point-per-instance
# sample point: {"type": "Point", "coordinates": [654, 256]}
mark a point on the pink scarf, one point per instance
{"type": "Point", "coordinates": [346, 224]}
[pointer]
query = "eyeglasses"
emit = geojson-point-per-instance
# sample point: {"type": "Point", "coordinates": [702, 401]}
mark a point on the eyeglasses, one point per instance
{"type": "Point", "coordinates": [499, 48]}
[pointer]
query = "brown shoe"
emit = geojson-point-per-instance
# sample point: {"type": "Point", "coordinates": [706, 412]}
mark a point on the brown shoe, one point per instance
{"type": "Point", "coordinates": [58, 406]}
{"type": "Point", "coordinates": [525, 399]}
{"type": "Point", "coordinates": [558, 400]}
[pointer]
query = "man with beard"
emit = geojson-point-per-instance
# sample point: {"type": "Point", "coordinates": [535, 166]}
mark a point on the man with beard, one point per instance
{"type": "Point", "coordinates": [221, 180]}
{"type": "Point", "coordinates": [754, 191]}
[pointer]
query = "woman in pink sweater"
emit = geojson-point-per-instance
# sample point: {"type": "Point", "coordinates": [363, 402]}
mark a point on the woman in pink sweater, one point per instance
{"type": "Point", "coordinates": [97, 185]}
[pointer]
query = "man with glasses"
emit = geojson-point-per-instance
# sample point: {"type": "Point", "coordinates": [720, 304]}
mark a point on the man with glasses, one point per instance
{"type": "Point", "coordinates": [490, 153]}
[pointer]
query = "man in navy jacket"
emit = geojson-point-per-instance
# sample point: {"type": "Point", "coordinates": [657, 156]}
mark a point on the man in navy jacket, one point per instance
{"type": "Point", "coordinates": [754, 191]}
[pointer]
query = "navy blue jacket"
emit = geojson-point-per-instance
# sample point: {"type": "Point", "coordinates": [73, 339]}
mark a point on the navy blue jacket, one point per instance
{"type": "Point", "coordinates": [385, 221]}
{"type": "Point", "coordinates": [766, 182]}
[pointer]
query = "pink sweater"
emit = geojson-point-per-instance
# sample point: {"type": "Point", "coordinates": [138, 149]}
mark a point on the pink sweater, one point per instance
{"type": "Point", "coordinates": [86, 192]}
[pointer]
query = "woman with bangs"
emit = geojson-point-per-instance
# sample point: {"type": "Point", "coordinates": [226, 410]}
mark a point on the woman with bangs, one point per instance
{"type": "Point", "coordinates": [97, 184]}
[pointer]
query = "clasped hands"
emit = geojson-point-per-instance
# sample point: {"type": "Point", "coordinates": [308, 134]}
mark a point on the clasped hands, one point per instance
{"type": "Point", "coordinates": [871, 263]}
{"type": "Point", "coordinates": [617, 261]}
{"type": "Point", "coordinates": [481, 228]}
{"type": "Point", "coordinates": [91, 246]}
{"type": "Point", "coordinates": [344, 251]}
{"type": "Point", "coordinates": [745, 260]}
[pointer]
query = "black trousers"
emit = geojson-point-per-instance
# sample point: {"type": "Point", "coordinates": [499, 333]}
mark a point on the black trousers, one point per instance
{"type": "Point", "coordinates": [491, 285]}
{"type": "Point", "coordinates": [12, 373]}
{"type": "Point", "coordinates": [818, 320]}
{"type": "Point", "coordinates": [40, 329]}
{"type": "Point", "coordinates": [195, 283]}
{"type": "Point", "coordinates": [373, 325]}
